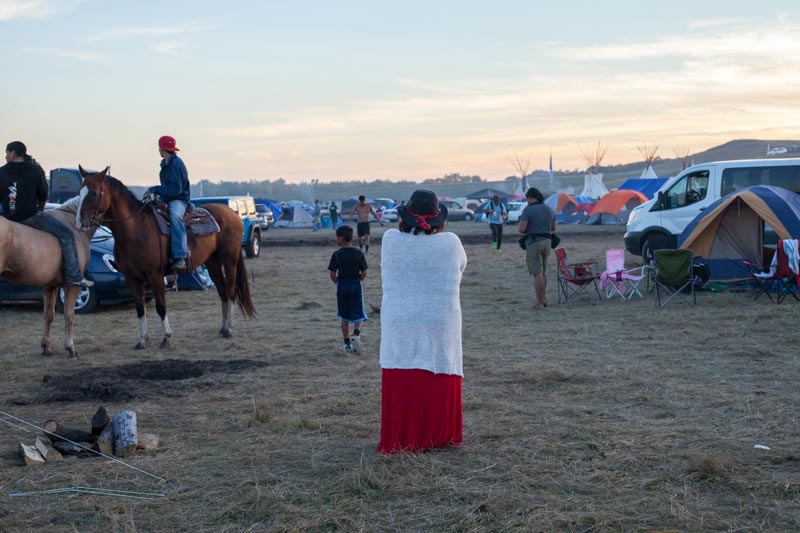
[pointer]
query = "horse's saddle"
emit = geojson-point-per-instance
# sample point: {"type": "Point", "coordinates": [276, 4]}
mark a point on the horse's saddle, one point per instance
{"type": "Point", "coordinates": [199, 222]}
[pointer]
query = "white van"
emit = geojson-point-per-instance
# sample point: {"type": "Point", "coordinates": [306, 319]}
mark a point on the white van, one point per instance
{"type": "Point", "coordinates": [661, 220]}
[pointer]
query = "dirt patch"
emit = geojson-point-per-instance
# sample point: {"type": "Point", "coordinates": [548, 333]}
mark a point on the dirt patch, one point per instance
{"type": "Point", "coordinates": [170, 377]}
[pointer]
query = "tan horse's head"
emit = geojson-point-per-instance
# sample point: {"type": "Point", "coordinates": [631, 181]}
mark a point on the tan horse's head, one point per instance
{"type": "Point", "coordinates": [94, 200]}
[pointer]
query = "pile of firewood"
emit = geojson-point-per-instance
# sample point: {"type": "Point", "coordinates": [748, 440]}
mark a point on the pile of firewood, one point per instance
{"type": "Point", "coordinates": [115, 435]}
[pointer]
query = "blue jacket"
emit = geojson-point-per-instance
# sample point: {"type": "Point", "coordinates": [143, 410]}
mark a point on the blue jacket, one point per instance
{"type": "Point", "coordinates": [174, 180]}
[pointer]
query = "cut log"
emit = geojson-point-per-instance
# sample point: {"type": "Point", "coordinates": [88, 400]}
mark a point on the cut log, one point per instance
{"type": "Point", "coordinates": [56, 430]}
{"type": "Point", "coordinates": [148, 441]}
{"type": "Point", "coordinates": [105, 441]}
{"type": "Point", "coordinates": [46, 449]}
{"type": "Point", "coordinates": [31, 455]}
{"type": "Point", "coordinates": [99, 421]}
{"type": "Point", "coordinates": [126, 438]}
{"type": "Point", "coordinates": [67, 448]}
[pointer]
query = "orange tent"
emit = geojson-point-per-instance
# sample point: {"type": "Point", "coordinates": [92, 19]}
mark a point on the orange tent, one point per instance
{"type": "Point", "coordinates": [615, 201]}
{"type": "Point", "coordinates": [558, 201]}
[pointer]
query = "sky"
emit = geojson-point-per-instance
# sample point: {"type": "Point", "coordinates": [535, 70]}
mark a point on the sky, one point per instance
{"type": "Point", "coordinates": [345, 89]}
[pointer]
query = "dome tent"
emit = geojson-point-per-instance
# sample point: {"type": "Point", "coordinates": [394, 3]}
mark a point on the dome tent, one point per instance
{"type": "Point", "coordinates": [614, 207]}
{"type": "Point", "coordinates": [732, 229]}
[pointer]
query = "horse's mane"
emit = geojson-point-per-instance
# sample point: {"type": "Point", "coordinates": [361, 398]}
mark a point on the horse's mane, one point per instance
{"type": "Point", "coordinates": [123, 193]}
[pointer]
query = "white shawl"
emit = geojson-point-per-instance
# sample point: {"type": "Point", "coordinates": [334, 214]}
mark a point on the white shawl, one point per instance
{"type": "Point", "coordinates": [421, 308]}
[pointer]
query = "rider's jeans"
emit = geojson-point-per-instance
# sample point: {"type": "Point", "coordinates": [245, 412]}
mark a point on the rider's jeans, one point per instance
{"type": "Point", "coordinates": [69, 250]}
{"type": "Point", "coordinates": [178, 229]}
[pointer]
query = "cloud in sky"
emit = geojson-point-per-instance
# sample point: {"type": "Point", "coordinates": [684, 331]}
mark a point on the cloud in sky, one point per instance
{"type": "Point", "coordinates": [90, 57]}
{"type": "Point", "coordinates": [712, 86]}
{"type": "Point", "coordinates": [147, 31]}
{"type": "Point", "coordinates": [15, 9]}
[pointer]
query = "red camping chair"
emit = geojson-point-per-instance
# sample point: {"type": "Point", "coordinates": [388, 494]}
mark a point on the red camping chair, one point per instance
{"type": "Point", "coordinates": [776, 282]}
{"type": "Point", "coordinates": [575, 278]}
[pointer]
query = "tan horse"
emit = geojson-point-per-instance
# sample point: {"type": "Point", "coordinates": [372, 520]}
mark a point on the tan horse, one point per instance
{"type": "Point", "coordinates": [33, 257]}
{"type": "Point", "coordinates": [141, 252]}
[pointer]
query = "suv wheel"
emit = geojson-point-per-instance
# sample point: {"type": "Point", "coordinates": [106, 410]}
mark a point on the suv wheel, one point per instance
{"type": "Point", "coordinates": [86, 302]}
{"type": "Point", "coordinates": [253, 247]}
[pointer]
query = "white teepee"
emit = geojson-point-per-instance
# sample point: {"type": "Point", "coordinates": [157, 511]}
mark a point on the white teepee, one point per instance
{"type": "Point", "coordinates": [593, 186]}
{"type": "Point", "coordinates": [649, 154]}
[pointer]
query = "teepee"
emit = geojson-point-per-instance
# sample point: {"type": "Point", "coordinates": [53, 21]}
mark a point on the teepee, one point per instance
{"type": "Point", "coordinates": [593, 186]}
{"type": "Point", "coordinates": [682, 155]}
{"type": "Point", "coordinates": [649, 154]}
{"type": "Point", "coordinates": [522, 166]}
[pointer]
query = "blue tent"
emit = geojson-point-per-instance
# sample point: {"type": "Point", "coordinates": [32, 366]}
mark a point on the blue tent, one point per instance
{"type": "Point", "coordinates": [648, 187]}
{"type": "Point", "coordinates": [732, 229]}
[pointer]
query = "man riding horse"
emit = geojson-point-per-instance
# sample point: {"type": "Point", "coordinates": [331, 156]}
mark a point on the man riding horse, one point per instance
{"type": "Point", "coordinates": [174, 190]}
{"type": "Point", "coordinates": [23, 194]}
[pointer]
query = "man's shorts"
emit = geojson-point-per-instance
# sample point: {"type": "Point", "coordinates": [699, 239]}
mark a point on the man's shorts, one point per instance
{"type": "Point", "coordinates": [536, 255]}
{"type": "Point", "coordinates": [350, 301]}
{"type": "Point", "coordinates": [362, 228]}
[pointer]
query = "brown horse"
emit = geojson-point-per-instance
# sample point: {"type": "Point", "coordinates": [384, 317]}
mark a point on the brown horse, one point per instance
{"type": "Point", "coordinates": [33, 257]}
{"type": "Point", "coordinates": [141, 252]}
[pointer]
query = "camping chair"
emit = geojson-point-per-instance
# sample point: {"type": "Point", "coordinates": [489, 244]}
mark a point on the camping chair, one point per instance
{"type": "Point", "coordinates": [574, 278]}
{"type": "Point", "coordinates": [673, 275]}
{"type": "Point", "coordinates": [777, 280]}
{"type": "Point", "coordinates": [616, 280]}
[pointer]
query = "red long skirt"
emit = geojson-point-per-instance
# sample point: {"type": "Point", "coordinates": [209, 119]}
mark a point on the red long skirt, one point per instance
{"type": "Point", "coordinates": [419, 410]}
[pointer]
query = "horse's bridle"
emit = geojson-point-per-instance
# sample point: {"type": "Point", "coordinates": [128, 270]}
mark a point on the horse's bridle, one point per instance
{"type": "Point", "coordinates": [94, 220]}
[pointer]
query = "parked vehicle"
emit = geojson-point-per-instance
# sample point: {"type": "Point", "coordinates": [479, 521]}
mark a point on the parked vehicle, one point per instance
{"type": "Point", "coordinates": [246, 207]}
{"type": "Point", "coordinates": [514, 211]}
{"type": "Point", "coordinates": [683, 197]}
{"type": "Point", "coordinates": [109, 284]}
{"type": "Point", "coordinates": [455, 211]}
{"type": "Point", "coordinates": [265, 217]}
{"type": "Point", "coordinates": [778, 150]}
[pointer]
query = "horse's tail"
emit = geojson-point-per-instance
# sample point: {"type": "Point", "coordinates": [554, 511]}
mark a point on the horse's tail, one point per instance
{"type": "Point", "coordinates": [243, 290]}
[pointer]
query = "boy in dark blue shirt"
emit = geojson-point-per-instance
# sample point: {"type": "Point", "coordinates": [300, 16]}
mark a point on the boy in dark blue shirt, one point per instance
{"type": "Point", "coordinates": [348, 267]}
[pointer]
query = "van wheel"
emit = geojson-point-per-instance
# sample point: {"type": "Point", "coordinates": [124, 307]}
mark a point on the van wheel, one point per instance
{"type": "Point", "coordinates": [253, 247]}
{"type": "Point", "coordinates": [647, 252]}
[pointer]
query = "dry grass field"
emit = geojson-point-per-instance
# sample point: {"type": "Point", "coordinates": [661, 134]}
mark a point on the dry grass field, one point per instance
{"type": "Point", "coordinates": [613, 417]}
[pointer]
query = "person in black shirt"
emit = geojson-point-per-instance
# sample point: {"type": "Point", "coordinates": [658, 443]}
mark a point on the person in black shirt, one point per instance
{"type": "Point", "coordinates": [23, 195]}
{"type": "Point", "coordinates": [348, 267]}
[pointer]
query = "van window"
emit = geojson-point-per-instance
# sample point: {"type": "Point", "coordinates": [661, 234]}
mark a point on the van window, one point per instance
{"type": "Point", "coordinates": [734, 179]}
{"type": "Point", "coordinates": [689, 189]}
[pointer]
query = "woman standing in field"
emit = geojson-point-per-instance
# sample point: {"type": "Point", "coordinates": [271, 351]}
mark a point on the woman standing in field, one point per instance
{"type": "Point", "coordinates": [421, 358]}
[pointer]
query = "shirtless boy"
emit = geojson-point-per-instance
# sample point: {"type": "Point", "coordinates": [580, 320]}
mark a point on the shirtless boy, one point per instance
{"type": "Point", "coordinates": [363, 209]}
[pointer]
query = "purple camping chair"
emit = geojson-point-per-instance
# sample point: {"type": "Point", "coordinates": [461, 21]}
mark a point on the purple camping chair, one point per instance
{"type": "Point", "coordinates": [616, 280]}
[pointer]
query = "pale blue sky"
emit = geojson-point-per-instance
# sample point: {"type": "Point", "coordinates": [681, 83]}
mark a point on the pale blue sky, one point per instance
{"type": "Point", "coordinates": [364, 90]}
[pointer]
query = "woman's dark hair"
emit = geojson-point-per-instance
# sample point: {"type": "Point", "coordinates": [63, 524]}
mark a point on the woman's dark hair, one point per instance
{"type": "Point", "coordinates": [405, 228]}
{"type": "Point", "coordinates": [533, 192]}
{"type": "Point", "coordinates": [19, 148]}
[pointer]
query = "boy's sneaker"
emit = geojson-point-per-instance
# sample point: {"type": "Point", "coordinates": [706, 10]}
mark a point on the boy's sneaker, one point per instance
{"type": "Point", "coordinates": [355, 342]}
{"type": "Point", "coordinates": [347, 348]}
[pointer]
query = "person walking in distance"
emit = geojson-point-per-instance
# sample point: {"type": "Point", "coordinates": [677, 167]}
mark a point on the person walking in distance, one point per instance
{"type": "Point", "coordinates": [316, 216]}
{"type": "Point", "coordinates": [174, 190]}
{"type": "Point", "coordinates": [23, 195]}
{"type": "Point", "coordinates": [363, 210]}
{"type": "Point", "coordinates": [537, 222]}
{"type": "Point", "coordinates": [497, 214]}
{"type": "Point", "coordinates": [334, 213]}
{"type": "Point", "coordinates": [348, 268]}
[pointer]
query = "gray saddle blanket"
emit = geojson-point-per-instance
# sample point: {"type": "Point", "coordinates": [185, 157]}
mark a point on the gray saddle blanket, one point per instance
{"type": "Point", "coordinates": [200, 222]}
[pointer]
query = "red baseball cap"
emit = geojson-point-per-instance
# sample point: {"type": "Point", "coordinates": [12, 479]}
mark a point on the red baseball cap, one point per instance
{"type": "Point", "coordinates": [168, 143]}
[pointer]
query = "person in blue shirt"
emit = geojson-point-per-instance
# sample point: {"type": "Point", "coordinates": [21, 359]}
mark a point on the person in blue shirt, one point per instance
{"type": "Point", "coordinates": [496, 213]}
{"type": "Point", "coordinates": [174, 190]}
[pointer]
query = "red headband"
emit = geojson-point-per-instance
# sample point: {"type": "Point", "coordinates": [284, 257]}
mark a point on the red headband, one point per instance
{"type": "Point", "coordinates": [422, 220]}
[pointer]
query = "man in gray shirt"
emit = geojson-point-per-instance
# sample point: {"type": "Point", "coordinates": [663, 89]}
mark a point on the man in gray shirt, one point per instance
{"type": "Point", "coordinates": [537, 221]}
